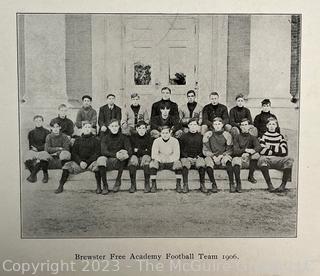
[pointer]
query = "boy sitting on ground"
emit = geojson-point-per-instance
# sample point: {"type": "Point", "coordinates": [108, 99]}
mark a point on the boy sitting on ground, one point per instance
{"type": "Point", "coordinates": [165, 155]}
{"type": "Point", "coordinates": [85, 151]}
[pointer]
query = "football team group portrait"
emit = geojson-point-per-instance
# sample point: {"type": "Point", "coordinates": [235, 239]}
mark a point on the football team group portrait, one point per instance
{"type": "Point", "coordinates": [158, 125]}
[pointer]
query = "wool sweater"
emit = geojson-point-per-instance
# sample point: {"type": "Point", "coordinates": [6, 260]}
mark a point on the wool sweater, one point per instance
{"type": "Point", "coordinates": [155, 109]}
{"type": "Point", "coordinates": [55, 142]}
{"type": "Point", "coordinates": [66, 124]}
{"type": "Point", "coordinates": [273, 144]}
{"type": "Point", "coordinates": [128, 116]}
{"type": "Point", "coordinates": [211, 111]}
{"type": "Point", "coordinates": [86, 114]}
{"type": "Point", "coordinates": [106, 114]}
{"type": "Point", "coordinates": [186, 114]}
{"type": "Point", "coordinates": [171, 121]}
{"type": "Point", "coordinates": [165, 151]}
{"type": "Point", "coordinates": [237, 114]}
{"type": "Point", "coordinates": [245, 141]}
{"type": "Point", "coordinates": [142, 144]}
{"type": "Point", "coordinates": [217, 143]}
{"type": "Point", "coordinates": [37, 138]}
{"type": "Point", "coordinates": [260, 122]}
{"type": "Point", "coordinates": [191, 145]}
{"type": "Point", "coordinates": [85, 148]}
{"type": "Point", "coordinates": [112, 143]}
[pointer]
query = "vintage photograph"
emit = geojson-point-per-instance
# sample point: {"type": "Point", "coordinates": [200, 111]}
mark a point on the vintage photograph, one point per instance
{"type": "Point", "coordinates": [158, 125]}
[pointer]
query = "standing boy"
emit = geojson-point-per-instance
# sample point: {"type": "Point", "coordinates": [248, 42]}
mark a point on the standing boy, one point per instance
{"type": "Point", "coordinates": [65, 123]}
{"type": "Point", "coordinates": [165, 155]}
{"type": "Point", "coordinates": [108, 112]}
{"type": "Point", "coordinates": [85, 151]}
{"type": "Point", "coordinates": [37, 158]}
{"type": "Point", "coordinates": [274, 155]}
{"type": "Point", "coordinates": [141, 143]}
{"type": "Point", "coordinates": [238, 113]}
{"type": "Point", "coordinates": [86, 114]}
{"type": "Point", "coordinates": [191, 155]}
{"type": "Point", "coordinates": [115, 151]}
{"type": "Point", "coordinates": [133, 114]}
{"type": "Point", "coordinates": [246, 150]}
{"type": "Point", "coordinates": [217, 147]}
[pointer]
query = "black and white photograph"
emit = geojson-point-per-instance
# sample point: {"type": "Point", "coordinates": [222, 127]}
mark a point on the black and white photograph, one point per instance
{"type": "Point", "coordinates": [138, 125]}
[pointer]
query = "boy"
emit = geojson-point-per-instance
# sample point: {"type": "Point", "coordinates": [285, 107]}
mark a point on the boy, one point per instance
{"type": "Point", "coordinates": [133, 114]}
{"type": "Point", "coordinates": [246, 150]}
{"type": "Point", "coordinates": [238, 113]}
{"type": "Point", "coordinates": [37, 158]}
{"type": "Point", "coordinates": [66, 124]}
{"type": "Point", "coordinates": [213, 110]}
{"type": "Point", "coordinates": [260, 121]}
{"type": "Point", "coordinates": [85, 151]}
{"type": "Point", "coordinates": [115, 151]}
{"type": "Point", "coordinates": [166, 94]}
{"type": "Point", "coordinates": [217, 147]}
{"type": "Point", "coordinates": [165, 119]}
{"type": "Point", "coordinates": [165, 155]}
{"type": "Point", "coordinates": [107, 113]}
{"type": "Point", "coordinates": [86, 114]}
{"type": "Point", "coordinates": [141, 143]}
{"type": "Point", "coordinates": [191, 110]}
{"type": "Point", "coordinates": [191, 155]}
{"type": "Point", "coordinates": [274, 155]}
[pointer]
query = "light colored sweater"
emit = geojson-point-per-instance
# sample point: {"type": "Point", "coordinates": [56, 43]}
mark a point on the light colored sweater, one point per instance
{"type": "Point", "coordinates": [165, 151]}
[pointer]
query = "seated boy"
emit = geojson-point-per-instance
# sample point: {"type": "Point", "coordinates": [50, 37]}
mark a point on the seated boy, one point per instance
{"type": "Point", "coordinates": [115, 151]}
{"type": "Point", "coordinates": [260, 121]}
{"type": "Point", "coordinates": [165, 155]}
{"type": "Point", "coordinates": [274, 155]}
{"type": "Point", "coordinates": [66, 124]}
{"type": "Point", "coordinates": [86, 114]}
{"type": "Point", "coordinates": [191, 155]}
{"type": "Point", "coordinates": [37, 158]}
{"type": "Point", "coordinates": [85, 151]}
{"type": "Point", "coordinates": [246, 150]}
{"type": "Point", "coordinates": [217, 147]}
{"type": "Point", "coordinates": [141, 143]}
{"type": "Point", "coordinates": [238, 113]}
{"type": "Point", "coordinates": [165, 119]}
{"type": "Point", "coordinates": [133, 114]}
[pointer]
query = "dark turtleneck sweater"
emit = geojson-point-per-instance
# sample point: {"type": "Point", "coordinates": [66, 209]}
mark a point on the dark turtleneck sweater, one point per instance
{"type": "Point", "coordinates": [211, 111]}
{"type": "Point", "coordinates": [245, 141]}
{"type": "Point", "coordinates": [260, 122]}
{"type": "Point", "coordinates": [86, 148]}
{"type": "Point", "coordinates": [37, 138]}
{"type": "Point", "coordinates": [143, 144]}
{"type": "Point", "coordinates": [66, 124]}
{"type": "Point", "coordinates": [237, 114]}
{"type": "Point", "coordinates": [112, 143]}
{"type": "Point", "coordinates": [191, 145]}
{"type": "Point", "coordinates": [155, 110]}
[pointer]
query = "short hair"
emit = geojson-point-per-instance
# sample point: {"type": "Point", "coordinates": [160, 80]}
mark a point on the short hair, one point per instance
{"type": "Point", "coordinates": [214, 94]}
{"type": "Point", "coordinates": [86, 97]}
{"type": "Point", "coordinates": [112, 121]}
{"type": "Point", "coordinates": [265, 101]}
{"type": "Point", "coordinates": [166, 88]}
{"type": "Point", "coordinates": [61, 106]}
{"type": "Point", "coordinates": [191, 92]}
{"type": "Point", "coordinates": [244, 120]}
{"type": "Point", "coordinates": [38, 116]}
{"type": "Point", "coordinates": [134, 95]}
{"type": "Point", "coordinates": [217, 119]}
{"type": "Point", "coordinates": [164, 127]}
{"type": "Point", "coordinates": [240, 96]}
{"type": "Point", "coordinates": [193, 120]}
{"type": "Point", "coordinates": [272, 119]}
{"type": "Point", "coordinates": [164, 105]}
{"type": "Point", "coordinates": [141, 123]}
{"type": "Point", "coordinates": [111, 95]}
{"type": "Point", "coordinates": [55, 123]}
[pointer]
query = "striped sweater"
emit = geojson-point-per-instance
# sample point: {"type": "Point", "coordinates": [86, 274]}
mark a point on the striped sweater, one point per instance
{"type": "Point", "coordinates": [273, 144]}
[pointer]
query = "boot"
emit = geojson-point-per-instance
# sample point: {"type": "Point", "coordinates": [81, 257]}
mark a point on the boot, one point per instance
{"type": "Point", "coordinates": [178, 185]}
{"type": "Point", "coordinates": [185, 188]}
{"type": "Point", "coordinates": [236, 170]}
{"type": "Point", "coordinates": [98, 181]}
{"type": "Point", "coordinates": [133, 187]}
{"type": "Point", "coordinates": [232, 187]}
{"type": "Point", "coordinates": [229, 169]}
{"type": "Point", "coordinates": [214, 188]}
{"type": "Point", "coordinates": [265, 173]}
{"type": "Point", "coordinates": [116, 186]}
{"type": "Point", "coordinates": [103, 175]}
{"type": "Point", "coordinates": [29, 165]}
{"type": "Point", "coordinates": [154, 186]}
{"type": "Point", "coordinates": [285, 177]}
{"type": "Point", "coordinates": [44, 166]}
{"type": "Point", "coordinates": [146, 186]}
{"type": "Point", "coordinates": [252, 167]}
{"type": "Point", "coordinates": [63, 180]}
{"type": "Point", "coordinates": [203, 188]}
{"type": "Point", "coordinates": [33, 176]}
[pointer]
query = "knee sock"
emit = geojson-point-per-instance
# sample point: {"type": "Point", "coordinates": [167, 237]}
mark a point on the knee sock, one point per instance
{"type": "Point", "coordinates": [229, 171]}
{"type": "Point", "coordinates": [44, 165]}
{"type": "Point", "coordinates": [252, 167]}
{"type": "Point", "coordinates": [103, 174]}
{"type": "Point", "coordinates": [211, 174]}
{"type": "Point", "coordinates": [64, 177]}
{"type": "Point", "coordinates": [185, 175]}
{"type": "Point", "coordinates": [236, 170]}
{"type": "Point", "coordinates": [202, 172]}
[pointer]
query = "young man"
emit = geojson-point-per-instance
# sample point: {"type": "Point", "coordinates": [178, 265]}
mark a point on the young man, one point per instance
{"type": "Point", "coordinates": [191, 155]}
{"type": "Point", "coordinates": [191, 110]}
{"type": "Point", "coordinates": [133, 114]}
{"type": "Point", "coordinates": [115, 151]}
{"type": "Point", "coordinates": [260, 121]}
{"type": "Point", "coordinates": [212, 110]}
{"type": "Point", "coordinates": [107, 113]}
{"type": "Point", "coordinates": [166, 94]}
{"type": "Point", "coordinates": [85, 151]}
{"type": "Point", "coordinates": [37, 158]}
{"type": "Point", "coordinates": [274, 155]}
{"type": "Point", "coordinates": [246, 150]}
{"type": "Point", "coordinates": [238, 113]}
{"type": "Point", "coordinates": [165, 155]}
{"type": "Point", "coordinates": [66, 124]}
{"type": "Point", "coordinates": [86, 113]}
{"type": "Point", "coordinates": [165, 119]}
{"type": "Point", "coordinates": [58, 144]}
{"type": "Point", "coordinates": [217, 147]}
{"type": "Point", "coordinates": [141, 143]}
